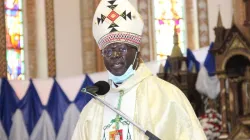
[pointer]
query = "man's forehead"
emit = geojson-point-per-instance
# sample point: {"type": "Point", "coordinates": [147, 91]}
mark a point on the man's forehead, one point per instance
{"type": "Point", "coordinates": [120, 44]}
{"type": "Point", "coordinates": [116, 44]}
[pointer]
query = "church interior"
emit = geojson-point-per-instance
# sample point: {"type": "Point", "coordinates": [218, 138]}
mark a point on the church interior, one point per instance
{"type": "Point", "coordinates": [48, 54]}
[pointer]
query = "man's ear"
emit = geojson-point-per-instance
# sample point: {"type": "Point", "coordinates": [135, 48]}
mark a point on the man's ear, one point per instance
{"type": "Point", "coordinates": [138, 60]}
{"type": "Point", "coordinates": [139, 55]}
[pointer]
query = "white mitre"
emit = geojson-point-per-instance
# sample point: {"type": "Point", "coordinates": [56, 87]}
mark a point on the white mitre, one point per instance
{"type": "Point", "coordinates": [117, 21]}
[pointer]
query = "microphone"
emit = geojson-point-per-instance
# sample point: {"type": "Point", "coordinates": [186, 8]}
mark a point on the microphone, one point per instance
{"type": "Point", "coordinates": [101, 88]}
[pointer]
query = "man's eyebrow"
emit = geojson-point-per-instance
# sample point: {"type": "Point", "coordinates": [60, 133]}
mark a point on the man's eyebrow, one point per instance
{"type": "Point", "coordinates": [120, 44]}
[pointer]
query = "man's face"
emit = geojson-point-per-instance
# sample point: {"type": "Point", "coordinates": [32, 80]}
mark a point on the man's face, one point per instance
{"type": "Point", "coordinates": [118, 57]}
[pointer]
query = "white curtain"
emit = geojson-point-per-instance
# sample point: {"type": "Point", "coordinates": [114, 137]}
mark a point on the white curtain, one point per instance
{"type": "Point", "coordinates": [44, 129]}
{"type": "Point", "coordinates": [207, 85]}
{"type": "Point", "coordinates": [70, 119]}
{"type": "Point", "coordinates": [2, 133]}
{"type": "Point", "coordinates": [18, 130]}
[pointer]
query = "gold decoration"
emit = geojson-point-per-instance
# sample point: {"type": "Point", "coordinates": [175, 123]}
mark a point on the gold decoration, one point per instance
{"type": "Point", "coordinates": [236, 46]}
{"type": "Point", "coordinates": [50, 28]}
{"type": "Point", "coordinates": [3, 62]}
{"type": "Point", "coordinates": [223, 136]}
{"type": "Point", "coordinates": [176, 51]}
{"type": "Point", "coordinates": [224, 125]}
{"type": "Point", "coordinates": [245, 120]}
{"type": "Point", "coordinates": [223, 90]}
{"type": "Point", "coordinates": [237, 42]}
{"type": "Point", "coordinates": [240, 133]}
{"type": "Point", "coordinates": [223, 108]}
{"type": "Point", "coordinates": [184, 66]}
{"type": "Point", "coordinates": [222, 76]}
{"type": "Point", "coordinates": [194, 69]}
{"type": "Point", "coordinates": [219, 22]}
{"type": "Point", "coordinates": [237, 79]}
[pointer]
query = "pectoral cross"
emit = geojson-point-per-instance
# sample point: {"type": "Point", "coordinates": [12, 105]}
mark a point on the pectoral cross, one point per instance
{"type": "Point", "coordinates": [117, 136]}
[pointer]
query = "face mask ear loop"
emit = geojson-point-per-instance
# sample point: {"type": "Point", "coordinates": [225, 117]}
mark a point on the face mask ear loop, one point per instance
{"type": "Point", "coordinates": [134, 58]}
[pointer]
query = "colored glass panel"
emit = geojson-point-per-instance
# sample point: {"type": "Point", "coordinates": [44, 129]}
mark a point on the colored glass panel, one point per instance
{"type": "Point", "coordinates": [168, 14]}
{"type": "Point", "coordinates": [14, 39]}
{"type": "Point", "coordinates": [13, 4]}
{"type": "Point", "coordinates": [15, 64]}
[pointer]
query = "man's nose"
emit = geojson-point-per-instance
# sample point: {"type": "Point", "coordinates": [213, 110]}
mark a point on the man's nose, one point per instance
{"type": "Point", "coordinates": [116, 54]}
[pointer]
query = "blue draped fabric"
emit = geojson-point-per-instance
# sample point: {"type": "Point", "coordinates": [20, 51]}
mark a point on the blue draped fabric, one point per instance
{"type": "Point", "coordinates": [191, 60]}
{"type": "Point", "coordinates": [210, 62]}
{"type": "Point", "coordinates": [0, 85]}
{"type": "Point", "coordinates": [8, 105]}
{"type": "Point", "coordinates": [31, 107]}
{"type": "Point", "coordinates": [167, 66]}
{"type": "Point", "coordinates": [29, 115]}
{"type": "Point", "coordinates": [82, 98]}
{"type": "Point", "coordinates": [57, 105]}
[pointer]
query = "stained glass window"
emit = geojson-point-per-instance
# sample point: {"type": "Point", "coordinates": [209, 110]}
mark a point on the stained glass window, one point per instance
{"type": "Point", "coordinates": [168, 14]}
{"type": "Point", "coordinates": [14, 39]}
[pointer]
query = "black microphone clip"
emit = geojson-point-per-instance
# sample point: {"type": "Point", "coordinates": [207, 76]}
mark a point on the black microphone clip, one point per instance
{"type": "Point", "coordinates": [85, 90]}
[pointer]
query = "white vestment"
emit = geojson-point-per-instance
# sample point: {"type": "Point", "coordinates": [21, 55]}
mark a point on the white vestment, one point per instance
{"type": "Point", "coordinates": [158, 107]}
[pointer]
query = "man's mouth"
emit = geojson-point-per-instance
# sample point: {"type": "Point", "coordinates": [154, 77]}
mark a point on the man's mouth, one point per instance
{"type": "Point", "coordinates": [117, 65]}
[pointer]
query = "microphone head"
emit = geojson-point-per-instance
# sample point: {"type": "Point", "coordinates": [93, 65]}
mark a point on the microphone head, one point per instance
{"type": "Point", "coordinates": [103, 86]}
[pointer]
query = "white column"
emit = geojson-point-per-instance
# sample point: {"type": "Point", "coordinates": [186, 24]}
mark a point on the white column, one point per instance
{"type": "Point", "coordinates": [42, 63]}
{"type": "Point", "coordinates": [68, 38]}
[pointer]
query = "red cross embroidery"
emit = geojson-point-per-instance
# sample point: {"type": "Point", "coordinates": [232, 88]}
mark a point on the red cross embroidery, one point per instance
{"type": "Point", "coordinates": [113, 16]}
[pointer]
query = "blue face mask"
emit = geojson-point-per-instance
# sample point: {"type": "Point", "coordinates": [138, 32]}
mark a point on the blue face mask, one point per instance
{"type": "Point", "coordinates": [120, 79]}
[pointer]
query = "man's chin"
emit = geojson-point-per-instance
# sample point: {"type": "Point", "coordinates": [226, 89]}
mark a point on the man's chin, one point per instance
{"type": "Point", "coordinates": [117, 72]}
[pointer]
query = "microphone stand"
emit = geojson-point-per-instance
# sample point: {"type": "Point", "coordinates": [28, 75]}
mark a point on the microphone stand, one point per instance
{"type": "Point", "coordinates": [146, 132]}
